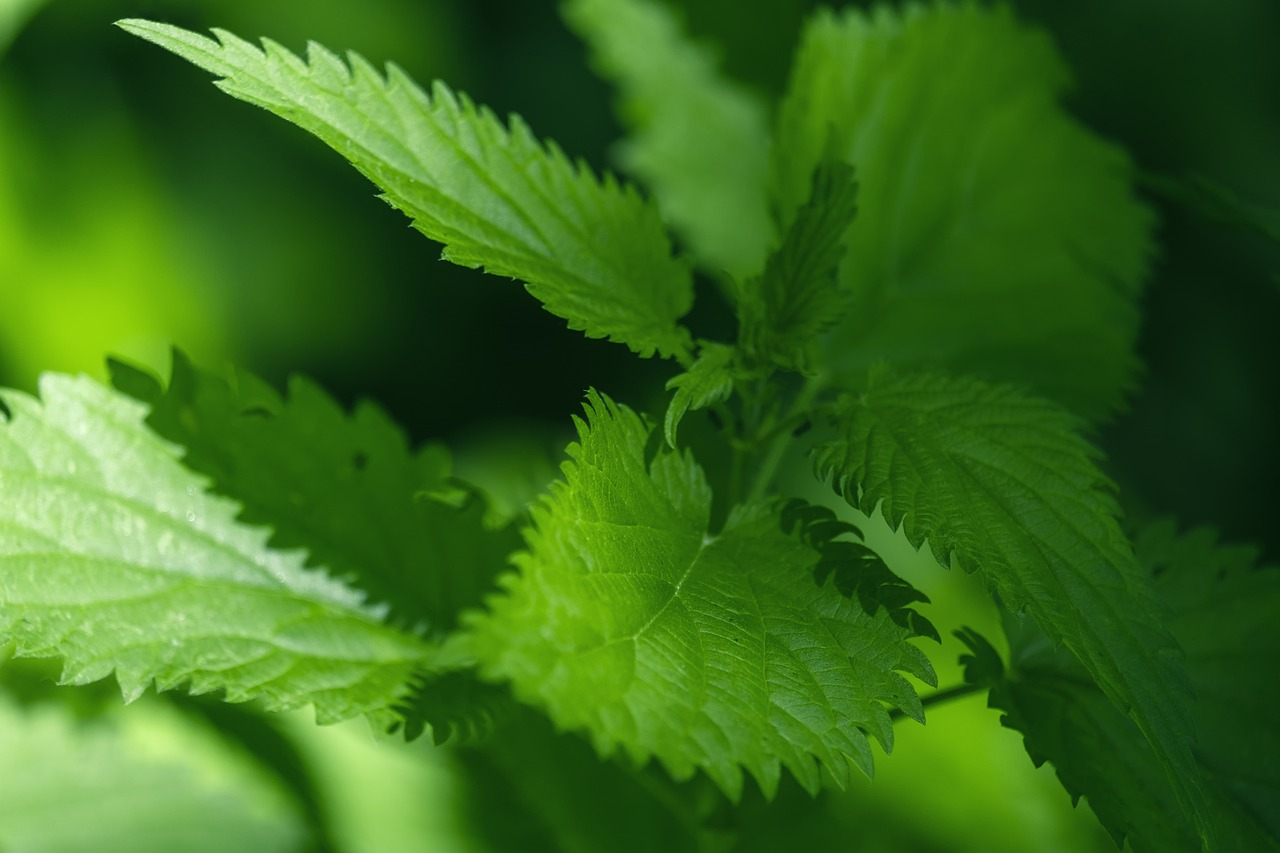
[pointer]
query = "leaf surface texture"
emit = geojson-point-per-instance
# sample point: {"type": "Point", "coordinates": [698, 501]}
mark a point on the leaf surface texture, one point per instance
{"type": "Point", "coordinates": [1223, 610]}
{"type": "Point", "coordinates": [799, 295]}
{"type": "Point", "coordinates": [345, 486]}
{"type": "Point", "coordinates": [113, 558]}
{"type": "Point", "coordinates": [591, 250]}
{"type": "Point", "coordinates": [999, 237]}
{"type": "Point", "coordinates": [630, 619]}
{"type": "Point", "coordinates": [1000, 483]}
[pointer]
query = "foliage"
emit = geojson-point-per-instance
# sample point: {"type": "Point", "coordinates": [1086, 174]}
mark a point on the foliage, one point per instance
{"type": "Point", "coordinates": [931, 310]}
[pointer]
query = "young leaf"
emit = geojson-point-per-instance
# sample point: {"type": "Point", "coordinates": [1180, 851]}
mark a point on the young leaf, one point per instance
{"type": "Point", "coordinates": [1000, 237]}
{"type": "Point", "coordinates": [698, 139]}
{"type": "Point", "coordinates": [999, 482]}
{"type": "Point", "coordinates": [799, 295]}
{"type": "Point", "coordinates": [1223, 614]}
{"type": "Point", "coordinates": [592, 251]}
{"type": "Point", "coordinates": [114, 558]}
{"type": "Point", "coordinates": [631, 620]}
{"type": "Point", "coordinates": [345, 487]}
{"type": "Point", "coordinates": [707, 382]}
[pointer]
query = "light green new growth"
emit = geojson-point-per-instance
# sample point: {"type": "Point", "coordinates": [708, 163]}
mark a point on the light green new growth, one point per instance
{"type": "Point", "coordinates": [1000, 483]}
{"type": "Point", "coordinates": [1000, 237]}
{"type": "Point", "coordinates": [799, 295]}
{"type": "Point", "coordinates": [718, 651]}
{"type": "Point", "coordinates": [707, 382]}
{"type": "Point", "coordinates": [113, 558]}
{"type": "Point", "coordinates": [592, 251]}
{"type": "Point", "coordinates": [697, 139]}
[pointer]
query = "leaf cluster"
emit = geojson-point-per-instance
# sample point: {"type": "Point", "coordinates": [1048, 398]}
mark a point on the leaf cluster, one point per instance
{"type": "Point", "coordinates": [932, 314]}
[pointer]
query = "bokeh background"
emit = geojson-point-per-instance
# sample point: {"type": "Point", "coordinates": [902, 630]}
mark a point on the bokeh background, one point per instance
{"type": "Point", "coordinates": [140, 207]}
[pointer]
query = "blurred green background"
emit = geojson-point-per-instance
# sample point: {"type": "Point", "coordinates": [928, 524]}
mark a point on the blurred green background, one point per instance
{"type": "Point", "coordinates": [140, 207]}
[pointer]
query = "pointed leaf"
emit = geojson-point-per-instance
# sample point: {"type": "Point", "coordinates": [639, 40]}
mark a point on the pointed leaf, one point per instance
{"type": "Point", "coordinates": [707, 382]}
{"type": "Point", "coordinates": [799, 295]}
{"type": "Point", "coordinates": [999, 236]}
{"type": "Point", "coordinates": [698, 139]}
{"type": "Point", "coordinates": [592, 251]}
{"type": "Point", "coordinates": [113, 558]}
{"type": "Point", "coordinates": [1000, 483]}
{"type": "Point", "coordinates": [632, 620]}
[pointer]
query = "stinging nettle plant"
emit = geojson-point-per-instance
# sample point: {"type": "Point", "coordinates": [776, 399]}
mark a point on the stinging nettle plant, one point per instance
{"type": "Point", "coordinates": [934, 278]}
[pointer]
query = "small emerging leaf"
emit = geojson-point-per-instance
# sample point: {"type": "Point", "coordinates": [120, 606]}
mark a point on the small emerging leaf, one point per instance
{"type": "Point", "coordinates": [592, 251]}
{"type": "Point", "coordinates": [707, 382]}
{"type": "Point", "coordinates": [799, 295]}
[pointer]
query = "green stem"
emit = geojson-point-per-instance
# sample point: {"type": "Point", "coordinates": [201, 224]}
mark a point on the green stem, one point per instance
{"type": "Point", "coordinates": [779, 439]}
{"type": "Point", "coordinates": [948, 694]}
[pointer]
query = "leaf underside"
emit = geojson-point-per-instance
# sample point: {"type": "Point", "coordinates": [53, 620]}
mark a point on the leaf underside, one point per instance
{"type": "Point", "coordinates": [1000, 483]}
{"type": "Point", "coordinates": [631, 620]}
{"type": "Point", "coordinates": [113, 558]}
{"type": "Point", "coordinates": [1223, 608]}
{"type": "Point", "coordinates": [344, 486]}
{"type": "Point", "coordinates": [999, 237]}
{"type": "Point", "coordinates": [591, 250]}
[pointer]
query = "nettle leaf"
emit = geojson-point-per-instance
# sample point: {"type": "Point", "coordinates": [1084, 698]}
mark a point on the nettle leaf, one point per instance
{"type": "Point", "coordinates": [1224, 609]}
{"type": "Point", "coordinates": [114, 558]}
{"type": "Point", "coordinates": [345, 486]}
{"type": "Point", "coordinates": [592, 251]}
{"type": "Point", "coordinates": [699, 140]}
{"type": "Point", "coordinates": [707, 382]}
{"type": "Point", "coordinates": [799, 294]}
{"type": "Point", "coordinates": [1001, 483]}
{"type": "Point", "coordinates": [1000, 237]}
{"type": "Point", "coordinates": [630, 619]}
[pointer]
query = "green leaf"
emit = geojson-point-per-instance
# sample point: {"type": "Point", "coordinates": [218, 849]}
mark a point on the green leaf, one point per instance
{"type": "Point", "coordinates": [698, 139]}
{"type": "Point", "coordinates": [345, 487]}
{"type": "Point", "coordinates": [113, 558]}
{"type": "Point", "coordinates": [457, 705]}
{"type": "Point", "coordinates": [592, 251]}
{"type": "Point", "coordinates": [707, 382]}
{"type": "Point", "coordinates": [142, 782]}
{"type": "Point", "coordinates": [799, 294]}
{"type": "Point", "coordinates": [630, 619]}
{"type": "Point", "coordinates": [1000, 482]}
{"type": "Point", "coordinates": [1223, 609]}
{"type": "Point", "coordinates": [999, 236]}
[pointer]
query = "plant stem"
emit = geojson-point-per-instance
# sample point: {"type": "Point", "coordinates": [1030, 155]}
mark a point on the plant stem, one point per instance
{"type": "Point", "coordinates": [957, 691]}
{"type": "Point", "coordinates": [780, 438]}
